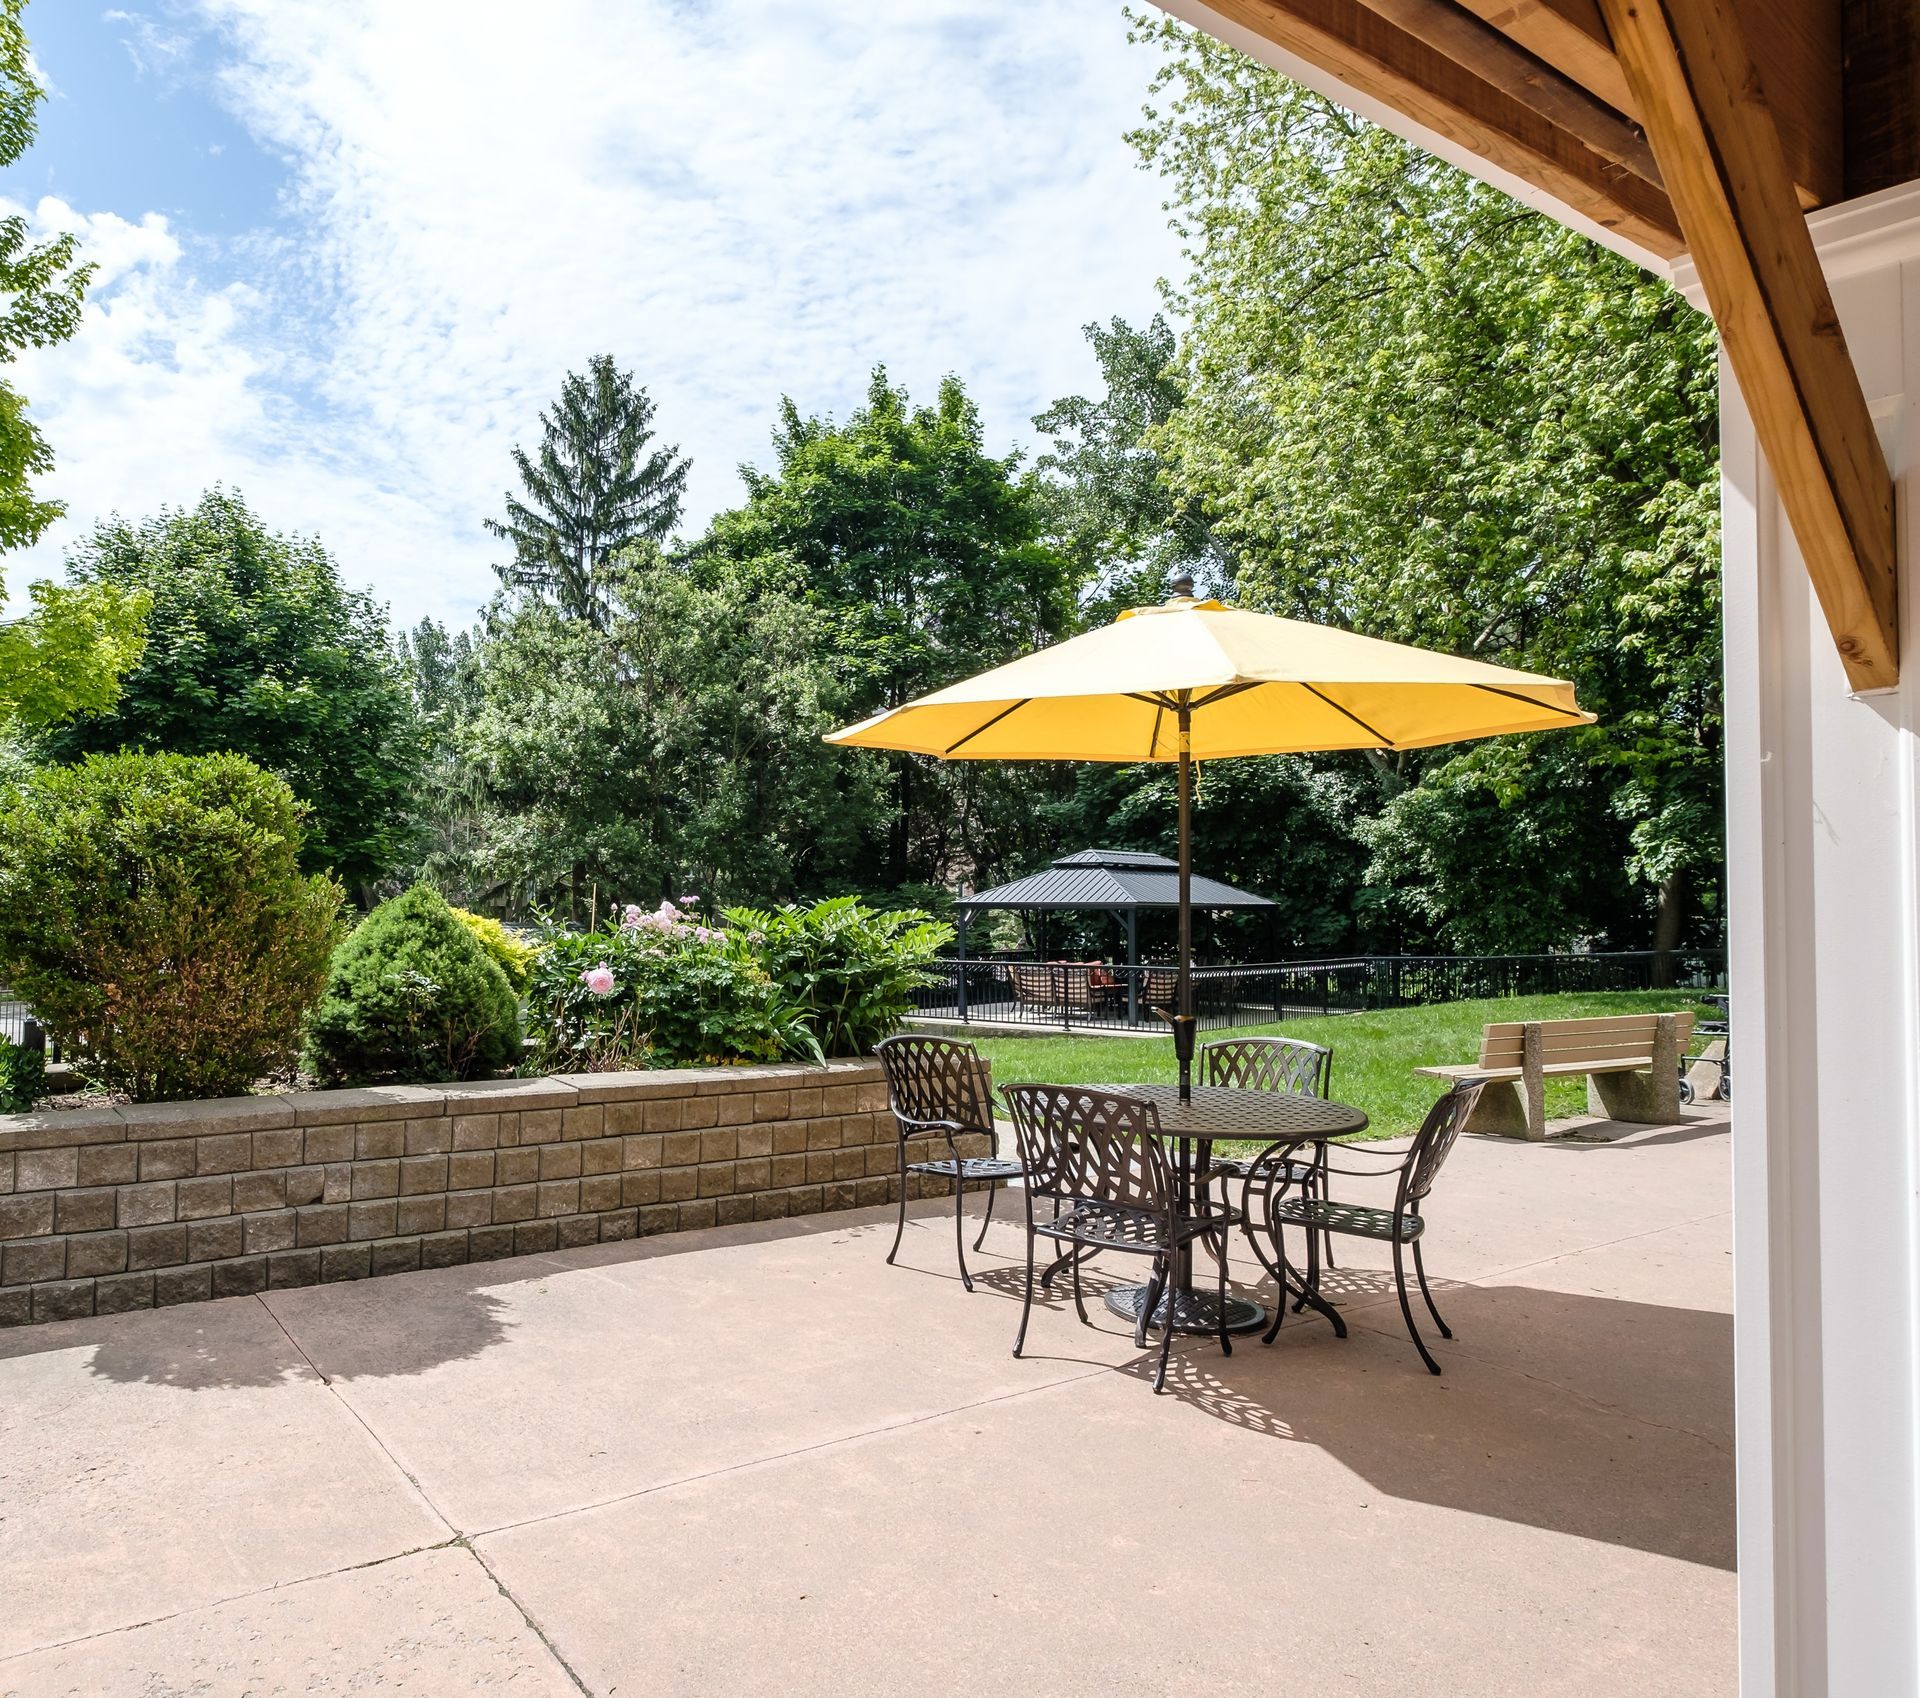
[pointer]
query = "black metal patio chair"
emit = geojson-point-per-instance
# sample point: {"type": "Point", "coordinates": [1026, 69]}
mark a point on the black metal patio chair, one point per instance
{"type": "Point", "coordinates": [1414, 1169]}
{"type": "Point", "coordinates": [934, 1089]}
{"type": "Point", "coordinates": [1285, 1065]}
{"type": "Point", "coordinates": [1099, 1157]}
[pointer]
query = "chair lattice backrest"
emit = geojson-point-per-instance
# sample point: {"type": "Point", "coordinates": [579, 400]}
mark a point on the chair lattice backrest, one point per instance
{"type": "Point", "coordinates": [1092, 1146]}
{"type": "Point", "coordinates": [931, 1080]}
{"type": "Point", "coordinates": [1438, 1133]}
{"type": "Point", "coordinates": [1290, 1066]}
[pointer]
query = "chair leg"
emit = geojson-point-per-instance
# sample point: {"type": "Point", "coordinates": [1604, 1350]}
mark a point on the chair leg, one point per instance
{"type": "Point", "coordinates": [992, 1192]}
{"type": "Point", "coordinates": [960, 1227]}
{"type": "Point", "coordinates": [1149, 1301]}
{"type": "Point", "coordinates": [1026, 1305]}
{"type": "Point", "coordinates": [1079, 1302]}
{"type": "Point", "coordinates": [1313, 1267]}
{"type": "Point", "coordinates": [901, 1226]}
{"type": "Point", "coordinates": [1166, 1346]}
{"type": "Point", "coordinates": [1406, 1308]}
{"type": "Point", "coordinates": [1326, 1238]}
{"type": "Point", "coordinates": [1226, 1338]}
{"type": "Point", "coordinates": [1420, 1273]}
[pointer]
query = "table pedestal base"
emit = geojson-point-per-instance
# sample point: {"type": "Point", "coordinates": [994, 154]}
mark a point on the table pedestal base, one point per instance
{"type": "Point", "coordinates": [1193, 1311]}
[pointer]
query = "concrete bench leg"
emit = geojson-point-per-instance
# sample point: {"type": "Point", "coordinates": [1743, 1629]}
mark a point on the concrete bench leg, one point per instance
{"type": "Point", "coordinates": [1502, 1109]}
{"type": "Point", "coordinates": [1515, 1108]}
{"type": "Point", "coordinates": [1646, 1099]}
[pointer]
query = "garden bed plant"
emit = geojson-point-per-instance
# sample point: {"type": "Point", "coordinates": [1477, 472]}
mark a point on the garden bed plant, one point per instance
{"type": "Point", "coordinates": [660, 988]}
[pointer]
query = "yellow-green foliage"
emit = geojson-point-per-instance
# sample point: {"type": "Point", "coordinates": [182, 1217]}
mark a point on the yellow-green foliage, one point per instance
{"type": "Point", "coordinates": [513, 957]}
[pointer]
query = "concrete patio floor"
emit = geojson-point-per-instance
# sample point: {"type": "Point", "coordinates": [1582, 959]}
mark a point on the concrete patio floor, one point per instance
{"type": "Point", "coordinates": [758, 1461]}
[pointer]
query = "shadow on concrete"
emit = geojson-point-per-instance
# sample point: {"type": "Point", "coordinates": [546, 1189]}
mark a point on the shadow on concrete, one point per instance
{"type": "Point", "coordinates": [1591, 1438]}
{"type": "Point", "coordinates": [238, 1342]}
{"type": "Point", "coordinates": [1624, 1135]}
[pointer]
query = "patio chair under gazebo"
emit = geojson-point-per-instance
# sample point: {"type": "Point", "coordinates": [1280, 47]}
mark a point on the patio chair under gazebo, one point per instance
{"type": "Point", "coordinates": [1116, 882]}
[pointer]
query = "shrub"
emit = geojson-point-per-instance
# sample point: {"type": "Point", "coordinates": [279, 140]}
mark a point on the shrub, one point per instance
{"type": "Point", "coordinates": [23, 1077]}
{"type": "Point", "coordinates": [852, 970]}
{"type": "Point", "coordinates": [510, 955]}
{"type": "Point", "coordinates": [153, 914]}
{"type": "Point", "coordinates": [655, 990]}
{"type": "Point", "coordinates": [413, 995]}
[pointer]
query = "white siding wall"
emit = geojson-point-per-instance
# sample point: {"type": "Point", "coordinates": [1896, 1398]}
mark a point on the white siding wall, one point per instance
{"type": "Point", "coordinates": [1825, 907]}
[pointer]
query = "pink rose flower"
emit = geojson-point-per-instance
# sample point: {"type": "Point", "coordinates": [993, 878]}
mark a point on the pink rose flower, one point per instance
{"type": "Point", "coordinates": [599, 980]}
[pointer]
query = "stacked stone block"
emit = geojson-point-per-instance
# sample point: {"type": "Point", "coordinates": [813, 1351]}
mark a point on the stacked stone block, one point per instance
{"type": "Point", "coordinates": [109, 1209]}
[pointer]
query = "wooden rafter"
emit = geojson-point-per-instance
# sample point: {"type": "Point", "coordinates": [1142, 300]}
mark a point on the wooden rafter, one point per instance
{"type": "Point", "coordinates": [1693, 79]}
{"type": "Point", "coordinates": [1378, 57]}
{"type": "Point", "coordinates": [1455, 32]}
{"type": "Point", "coordinates": [1796, 45]}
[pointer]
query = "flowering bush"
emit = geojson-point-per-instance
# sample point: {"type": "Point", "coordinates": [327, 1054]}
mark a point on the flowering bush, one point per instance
{"type": "Point", "coordinates": [657, 990]}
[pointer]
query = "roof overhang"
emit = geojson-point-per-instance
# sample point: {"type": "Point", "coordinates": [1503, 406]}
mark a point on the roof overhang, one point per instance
{"type": "Point", "coordinates": [1749, 111]}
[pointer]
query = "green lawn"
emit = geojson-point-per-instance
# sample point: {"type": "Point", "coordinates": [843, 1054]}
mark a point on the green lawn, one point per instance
{"type": "Point", "coordinates": [1373, 1054]}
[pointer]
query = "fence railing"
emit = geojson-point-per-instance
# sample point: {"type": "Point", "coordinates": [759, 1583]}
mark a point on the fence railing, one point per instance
{"type": "Point", "coordinates": [1071, 994]}
{"type": "Point", "coordinates": [18, 1026]}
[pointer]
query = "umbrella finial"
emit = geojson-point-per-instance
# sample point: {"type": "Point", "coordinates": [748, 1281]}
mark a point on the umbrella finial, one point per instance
{"type": "Point", "coordinates": [1180, 588]}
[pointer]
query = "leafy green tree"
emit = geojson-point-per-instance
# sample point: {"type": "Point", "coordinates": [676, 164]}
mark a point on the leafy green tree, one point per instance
{"type": "Point", "coordinates": [678, 750]}
{"type": "Point", "coordinates": [1110, 502]}
{"type": "Point", "coordinates": [1413, 407]}
{"type": "Point", "coordinates": [928, 557]}
{"type": "Point", "coordinates": [448, 814]}
{"type": "Point", "coordinates": [591, 490]}
{"type": "Point", "coordinates": [67, 654]}
{"type": "Point", "coordinates": [255, 647]}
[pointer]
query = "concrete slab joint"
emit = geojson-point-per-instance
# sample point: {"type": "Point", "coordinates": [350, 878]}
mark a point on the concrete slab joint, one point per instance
{"type": "Point", "coordinates": [106, 1210]}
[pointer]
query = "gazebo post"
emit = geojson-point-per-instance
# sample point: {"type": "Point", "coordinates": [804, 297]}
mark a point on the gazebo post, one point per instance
{"type": "Point", "coordinates": [1133, 966]}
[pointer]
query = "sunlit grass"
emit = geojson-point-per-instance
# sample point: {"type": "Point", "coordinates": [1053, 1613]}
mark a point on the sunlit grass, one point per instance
{"type": "Point", "coordinates": [1374, 1055]}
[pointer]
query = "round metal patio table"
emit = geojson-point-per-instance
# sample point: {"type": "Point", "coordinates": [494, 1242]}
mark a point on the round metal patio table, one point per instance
{"type": "Point", "coordinates": [1217, 1112]}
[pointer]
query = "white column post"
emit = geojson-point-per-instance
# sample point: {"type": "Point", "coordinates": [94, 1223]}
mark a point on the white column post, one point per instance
{"type": "Point", "coordinates": [1824, 902]}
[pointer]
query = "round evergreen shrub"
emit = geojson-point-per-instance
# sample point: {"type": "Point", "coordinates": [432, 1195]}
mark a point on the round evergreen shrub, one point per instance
{"type": "Point", "coordinates": [153, 914]}
{"type": "Point", "coordinates": [413, 995]}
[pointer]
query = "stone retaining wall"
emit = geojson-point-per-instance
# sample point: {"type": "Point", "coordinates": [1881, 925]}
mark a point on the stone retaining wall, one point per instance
{"type": "Point", "coordinates": [109, 1209]}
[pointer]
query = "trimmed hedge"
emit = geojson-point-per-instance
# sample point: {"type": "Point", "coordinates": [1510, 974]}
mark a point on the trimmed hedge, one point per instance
{"type": "Point", "coordinates": [413, 996]}
{"type": "Point", "coordinates": [153, 915]}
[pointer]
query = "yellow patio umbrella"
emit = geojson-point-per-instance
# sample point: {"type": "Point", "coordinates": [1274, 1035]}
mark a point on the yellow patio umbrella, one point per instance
{"type": "Point", "coordinates": [1195, 681]}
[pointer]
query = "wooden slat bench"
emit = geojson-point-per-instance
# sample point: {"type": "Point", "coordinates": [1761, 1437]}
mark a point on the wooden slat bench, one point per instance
{"type": "Point", "coordinates": [1632, 1063]}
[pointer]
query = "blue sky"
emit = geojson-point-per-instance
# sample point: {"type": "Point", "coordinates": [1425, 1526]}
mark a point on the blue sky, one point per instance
{"type": "Point", "coordinates": [348, 248]}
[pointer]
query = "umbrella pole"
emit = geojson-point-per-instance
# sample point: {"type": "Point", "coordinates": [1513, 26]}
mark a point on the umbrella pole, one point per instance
{"type": "Point", "coordinates": [1183, 1025]}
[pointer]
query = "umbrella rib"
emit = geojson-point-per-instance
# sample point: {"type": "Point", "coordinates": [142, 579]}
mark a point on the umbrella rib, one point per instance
{"type": "Point", "coordinates": [1516, 696]}
{"type": "Point", "coordinates": [1224, 691]}
{"type": "Point", "coordinates": [981, 730]}
{"type": "Point", "coordinates": [1385, 741]}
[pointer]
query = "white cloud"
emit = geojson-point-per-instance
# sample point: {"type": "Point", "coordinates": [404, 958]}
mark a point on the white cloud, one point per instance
{"type": "Point", "coordinates": [737, 198]}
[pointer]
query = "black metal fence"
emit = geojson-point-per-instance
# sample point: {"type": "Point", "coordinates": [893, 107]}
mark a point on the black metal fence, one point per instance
{"type": "Point", "coordinates": [1073, 995]}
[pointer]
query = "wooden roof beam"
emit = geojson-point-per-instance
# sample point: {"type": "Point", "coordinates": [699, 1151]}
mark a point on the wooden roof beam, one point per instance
{"type": "Point", "coordinates": [1375, 56]}
{"type": "Point", "coordinates": [1796, 45]}
{"type": "Point", "coordinates": [1452, 30]}
{"type": "Point", "coordinates": [1693, 77]}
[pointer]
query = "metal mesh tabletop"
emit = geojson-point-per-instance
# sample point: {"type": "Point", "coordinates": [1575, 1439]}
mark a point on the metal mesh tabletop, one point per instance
{"type": "Point", "coordinates": [1223, 1111]}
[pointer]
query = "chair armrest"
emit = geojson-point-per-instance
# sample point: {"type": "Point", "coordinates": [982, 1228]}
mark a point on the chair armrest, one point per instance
{"type": "Point", "coordinates": [948, 1128]}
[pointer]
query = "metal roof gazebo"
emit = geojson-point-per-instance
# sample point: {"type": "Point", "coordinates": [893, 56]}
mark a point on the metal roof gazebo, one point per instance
{"type": "Point", "coordinates": [1119, 882]}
